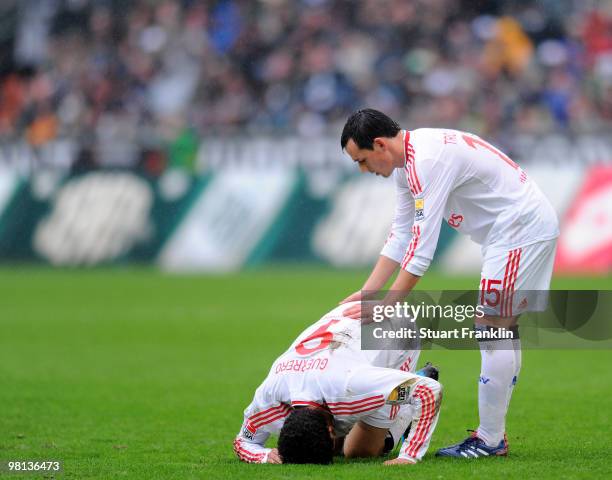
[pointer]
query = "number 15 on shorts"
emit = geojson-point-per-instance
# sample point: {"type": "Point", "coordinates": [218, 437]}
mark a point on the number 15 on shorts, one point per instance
{"type": "Point", "coordinates": [490, 295]}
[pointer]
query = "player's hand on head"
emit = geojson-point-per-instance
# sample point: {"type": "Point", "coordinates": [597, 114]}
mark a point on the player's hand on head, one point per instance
{"type": "Point", "coordinates": [354, 311]}
{"type": "Point", "coordinates": [363, 311]}
{"type": "Point", "coordinates": [274, 457]}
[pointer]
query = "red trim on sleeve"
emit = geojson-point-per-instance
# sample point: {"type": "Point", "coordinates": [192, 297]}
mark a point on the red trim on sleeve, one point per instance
{"type": "Point", "coordinates": [416, 233]}
{"type": "Point", "coordinates": [411, 173]}
{"type": "Point", "coordinates": [302, 403]}
{"type": "Point", "coordinates": [357, 406]}
{"type": "Point", "coordinates": [246, 456]}
{"type": "Point", "coordinates": [428, 412]}
{"type": "Point", "coordinates": [269, 415]}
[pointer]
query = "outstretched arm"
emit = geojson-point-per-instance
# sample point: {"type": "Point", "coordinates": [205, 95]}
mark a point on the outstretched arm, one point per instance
{"type": "Point", "coordinates": [396, 243]}
{"type": "Point", "coordinates": [425, 396]}
{"type": "Point", "coordinates": [396, 398]}
{"type": "Point", "coordinates": [384, 268]}
{"type": "Point", "coordinates": [402, 286]}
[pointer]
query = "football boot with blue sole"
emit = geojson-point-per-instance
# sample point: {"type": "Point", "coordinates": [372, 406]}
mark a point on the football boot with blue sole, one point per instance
{"type": "Point", "coordinates": [474, 447]}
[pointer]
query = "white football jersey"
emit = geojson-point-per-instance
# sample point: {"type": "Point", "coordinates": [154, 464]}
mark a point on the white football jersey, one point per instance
{"type": "Point", "coordinates": [474, 187]}
{"type": "Point", "coordinates": [326, 366]}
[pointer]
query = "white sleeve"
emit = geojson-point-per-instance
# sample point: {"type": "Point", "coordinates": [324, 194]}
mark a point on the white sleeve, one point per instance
{"type": "Point", "coordinates": [251, 449]}
{"type": "Point", "coordinates": [436, 179]}
{"type": "Point", "coordinates": [399, 236]}
{"type": "Point", "coordinates": [425, 398]}
{"type": "Point", "coordinates": [259, 423]}
{"type": "Point", "coordinates": [372, 388]}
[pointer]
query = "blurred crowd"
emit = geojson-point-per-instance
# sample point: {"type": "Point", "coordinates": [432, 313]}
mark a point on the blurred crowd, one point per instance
{"type": "Point", "coordinates": [135, 81]}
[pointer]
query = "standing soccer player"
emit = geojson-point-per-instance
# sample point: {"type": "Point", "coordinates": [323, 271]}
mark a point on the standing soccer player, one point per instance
{"type": "Point", "coordinates": [443, 174]}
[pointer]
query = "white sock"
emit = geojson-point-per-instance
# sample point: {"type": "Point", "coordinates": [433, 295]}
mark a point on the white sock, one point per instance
{"type": "Point", "coordinates": [518, 360]}
{"type": "Point", "coordinates": [498, 368]}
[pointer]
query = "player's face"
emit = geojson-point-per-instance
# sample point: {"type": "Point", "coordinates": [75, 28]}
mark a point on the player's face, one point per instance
{"type": "Point", "coordinates": [378, 160]}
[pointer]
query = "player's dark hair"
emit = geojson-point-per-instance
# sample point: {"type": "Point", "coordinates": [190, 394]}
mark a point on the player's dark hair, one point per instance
{"type": "Point", "coordinates": [305, 438]}
{"type": "Point", "coordinates": [365, 125]}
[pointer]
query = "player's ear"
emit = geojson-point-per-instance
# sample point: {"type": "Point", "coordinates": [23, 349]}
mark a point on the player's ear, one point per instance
{"type": "Point", "coordinates": [379, 144]}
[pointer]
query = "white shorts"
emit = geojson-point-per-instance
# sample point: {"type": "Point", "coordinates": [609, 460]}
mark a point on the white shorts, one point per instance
{"type": "Point", "coordinates": [516, 281]}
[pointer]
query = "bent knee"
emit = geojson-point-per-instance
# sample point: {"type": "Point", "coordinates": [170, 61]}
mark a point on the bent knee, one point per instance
{"type": "Point", "coordinates": [362, 451]}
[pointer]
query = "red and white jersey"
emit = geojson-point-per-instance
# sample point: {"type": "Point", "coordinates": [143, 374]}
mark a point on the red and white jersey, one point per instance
{"type": "Point", "coordinates": [459, 178]}
{"type": "Point", "coordinates": [325, 366]}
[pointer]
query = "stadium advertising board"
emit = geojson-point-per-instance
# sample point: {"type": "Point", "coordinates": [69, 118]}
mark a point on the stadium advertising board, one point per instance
{"type": "Point", "coordinates": [585, 244]}
{"type": "Point", "coordinates": [231, 222]}
{"type": "Point", "coordinates": [95, 218]}
{"type": "Point", "coordinates": [235, 217]}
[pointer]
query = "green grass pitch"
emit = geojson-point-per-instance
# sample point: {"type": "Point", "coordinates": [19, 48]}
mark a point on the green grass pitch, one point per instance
{"type": "Point", "coordinates": [130, 374]}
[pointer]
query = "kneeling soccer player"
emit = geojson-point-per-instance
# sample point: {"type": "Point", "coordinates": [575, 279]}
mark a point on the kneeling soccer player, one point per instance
{"type": "Point", "coordinates": [326, 396]}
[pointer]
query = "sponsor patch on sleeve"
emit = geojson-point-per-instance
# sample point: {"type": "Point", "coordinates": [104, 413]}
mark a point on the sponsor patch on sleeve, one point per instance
{"type": "Point", "coordinates": [248, 431]}
{"type": "Point", "coordinates": [419, 207]}
{"type": "Point", "coordinates": [401, 392]}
